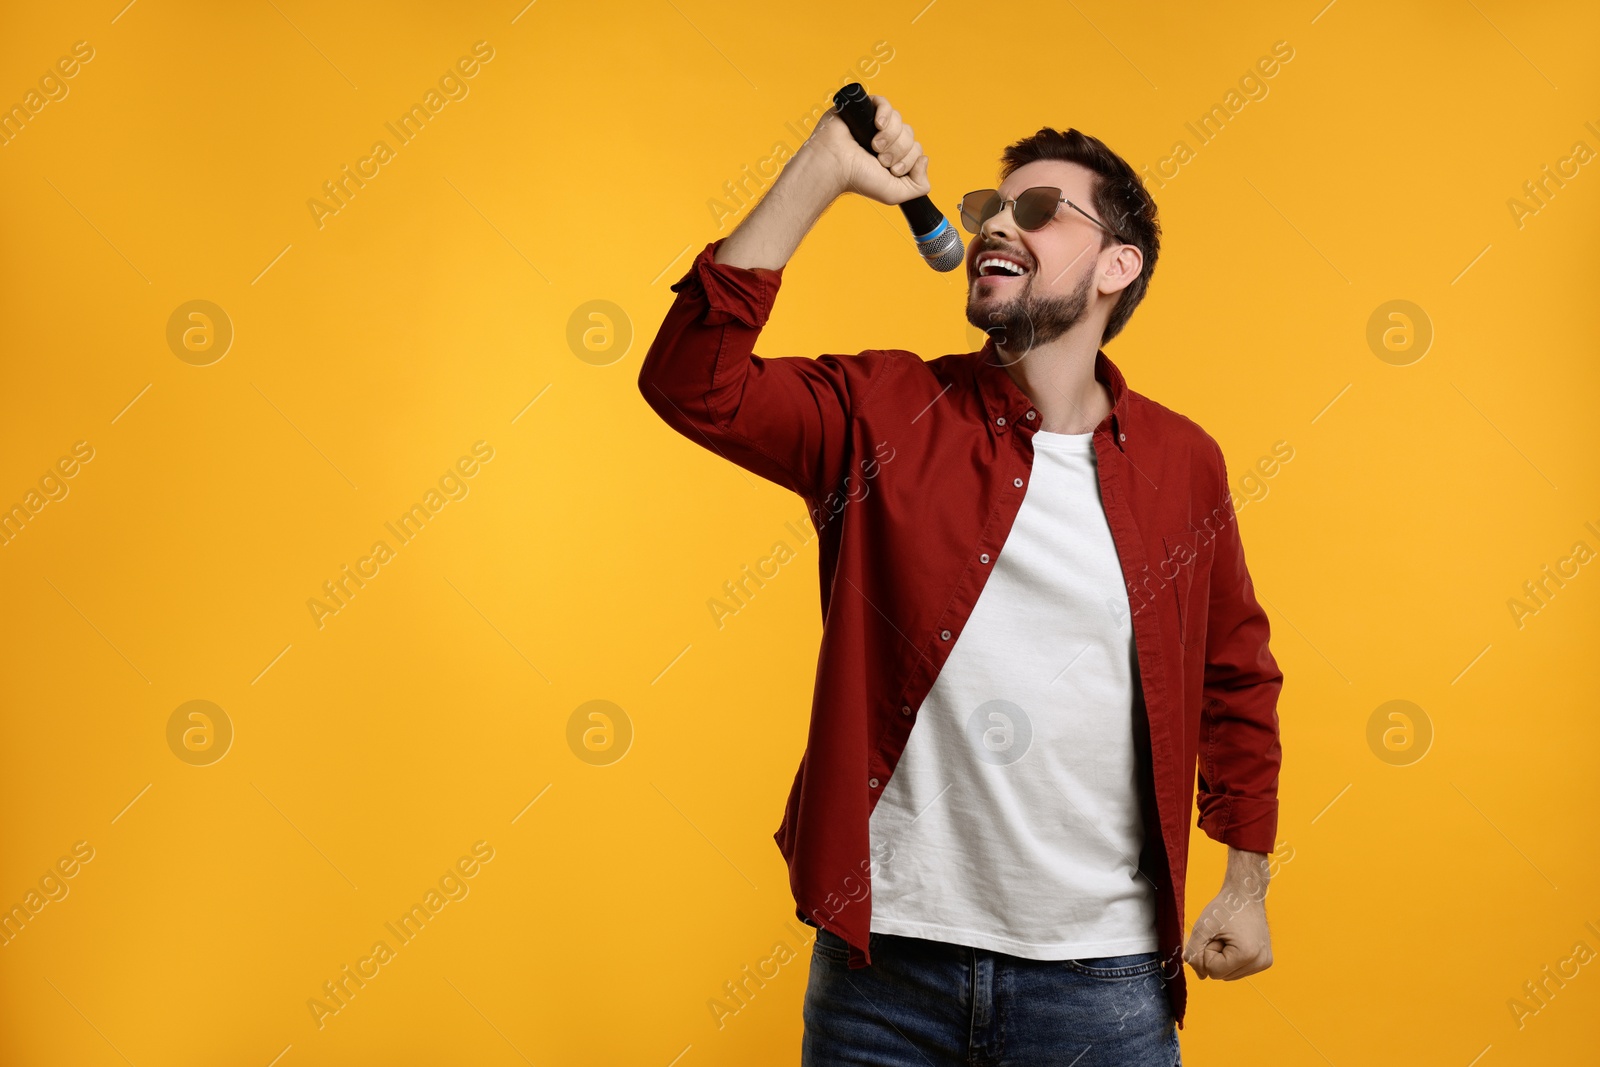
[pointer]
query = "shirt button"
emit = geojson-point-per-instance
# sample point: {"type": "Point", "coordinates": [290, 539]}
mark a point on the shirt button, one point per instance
{"type": "Point", "coordinates": [1030, 416]}
{"type": "Point", "coordinates": [984, 558]}
{"type": "Point", "coordinates": [1001, 421]}
{"type": "Point", "coordinates": [1122, 437]}
{"type": "Point", "coordinates": [905, 709]}
{"type": "Point", "coordinates": [873, 782]}
{"type": "Point", "coordinates": [1017, 482]}
{"type": "Point", "coordinates": [944, 634]}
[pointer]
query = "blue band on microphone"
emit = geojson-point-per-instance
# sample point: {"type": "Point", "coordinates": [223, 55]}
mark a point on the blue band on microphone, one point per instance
{"type": "Point", "coordinates": [944, 224]}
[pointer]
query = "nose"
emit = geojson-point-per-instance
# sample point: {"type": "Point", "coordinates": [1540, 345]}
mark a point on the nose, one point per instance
{"type": "Point", "coordinates": [1000, 224]}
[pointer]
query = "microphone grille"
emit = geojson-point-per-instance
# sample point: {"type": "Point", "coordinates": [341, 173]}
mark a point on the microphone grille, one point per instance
{"type": "Point", "coordinates": [943, 249]}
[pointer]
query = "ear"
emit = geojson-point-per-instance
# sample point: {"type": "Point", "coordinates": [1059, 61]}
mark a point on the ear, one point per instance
{"type": "Point", "coordinates": [1121, 269]}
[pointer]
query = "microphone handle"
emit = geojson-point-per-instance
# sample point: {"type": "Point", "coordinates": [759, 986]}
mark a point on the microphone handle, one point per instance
{"type": "Point", "coordinates": [859, 116]}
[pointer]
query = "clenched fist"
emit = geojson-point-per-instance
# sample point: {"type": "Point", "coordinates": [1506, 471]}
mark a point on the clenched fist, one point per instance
{"type": "Point", "coordinates": [898, 173]}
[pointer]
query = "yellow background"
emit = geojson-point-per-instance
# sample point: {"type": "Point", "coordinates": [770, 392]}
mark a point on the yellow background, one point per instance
{"type": "Point", "coordinates": [426, 715]}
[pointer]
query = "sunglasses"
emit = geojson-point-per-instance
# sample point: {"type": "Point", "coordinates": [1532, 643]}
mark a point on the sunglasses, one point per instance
{"type": "Point", "coordinates": [1031, 209]}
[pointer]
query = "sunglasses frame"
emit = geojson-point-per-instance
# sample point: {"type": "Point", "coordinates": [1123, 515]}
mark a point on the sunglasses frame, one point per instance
{"type": "Point", "coordinates": [1012, 203]}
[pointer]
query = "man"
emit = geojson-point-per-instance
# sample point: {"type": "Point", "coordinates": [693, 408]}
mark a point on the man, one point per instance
{"type": "Point", "coordinates": [1037, 623]}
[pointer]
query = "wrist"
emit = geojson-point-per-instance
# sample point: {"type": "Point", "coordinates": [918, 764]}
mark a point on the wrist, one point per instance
{"type": "Point", "coordinates": [812, 178]}
{"type": "Point", "coordinates": [1248, 873]}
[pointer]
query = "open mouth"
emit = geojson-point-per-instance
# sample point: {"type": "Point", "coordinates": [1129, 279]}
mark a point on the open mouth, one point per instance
{"type": "Point", "coordinates": [997, 266]}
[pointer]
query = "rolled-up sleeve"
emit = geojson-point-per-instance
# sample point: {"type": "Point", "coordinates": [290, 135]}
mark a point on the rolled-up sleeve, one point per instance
{"type": "Point", "coordinates": [787, 418]}
{"type": "Point", "coordinates": [1240, 752]}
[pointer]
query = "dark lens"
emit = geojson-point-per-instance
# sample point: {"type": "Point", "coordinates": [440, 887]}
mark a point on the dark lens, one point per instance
{"type": "Point", "coordinates": [1036, 206]}
{"type": "Point", "coordinates": [978, 207]}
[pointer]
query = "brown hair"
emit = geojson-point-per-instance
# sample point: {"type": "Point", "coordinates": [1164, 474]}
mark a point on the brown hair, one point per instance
{"type": "Point", "coordinates": [1119, 198]}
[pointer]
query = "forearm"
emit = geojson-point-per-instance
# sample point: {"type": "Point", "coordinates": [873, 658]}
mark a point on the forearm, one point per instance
{"type": "Point", "coordinates": [1248, 874]}
{"type": "Point", "coordinates": [769, 235]}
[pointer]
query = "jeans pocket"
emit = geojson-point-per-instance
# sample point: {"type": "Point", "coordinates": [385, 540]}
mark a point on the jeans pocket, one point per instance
{"type": "Point", "coordinates": [1116, 968]}
{"type": "Point", "coordinates": [830, 946]}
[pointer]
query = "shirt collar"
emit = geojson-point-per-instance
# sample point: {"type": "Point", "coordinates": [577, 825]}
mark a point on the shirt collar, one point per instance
{"type": "Point", "coordinates": [1003, 400]}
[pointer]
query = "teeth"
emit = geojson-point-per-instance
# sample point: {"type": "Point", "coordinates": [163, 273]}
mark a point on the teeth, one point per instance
{"type": "Point", "coordinates": [985, 262]}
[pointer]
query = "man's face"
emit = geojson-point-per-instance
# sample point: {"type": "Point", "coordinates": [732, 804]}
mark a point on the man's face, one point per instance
{"type": "Point", "coordinates": [1060, 259]}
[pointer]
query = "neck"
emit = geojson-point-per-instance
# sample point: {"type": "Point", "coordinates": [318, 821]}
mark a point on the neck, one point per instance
{"type": "Point", "coordinates": [1058, 377]}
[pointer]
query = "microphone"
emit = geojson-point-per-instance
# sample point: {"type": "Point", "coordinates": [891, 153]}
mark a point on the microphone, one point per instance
{"type": "Point", "coordinates": [937, 241]}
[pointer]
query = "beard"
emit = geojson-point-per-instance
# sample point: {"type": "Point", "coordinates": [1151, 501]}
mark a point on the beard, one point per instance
{"type": "Point", "coordinates": [1027, 319]}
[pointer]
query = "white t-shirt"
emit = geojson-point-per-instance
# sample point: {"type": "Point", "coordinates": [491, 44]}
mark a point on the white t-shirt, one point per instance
{"type": "Point", "coordinates": [1012, 821]}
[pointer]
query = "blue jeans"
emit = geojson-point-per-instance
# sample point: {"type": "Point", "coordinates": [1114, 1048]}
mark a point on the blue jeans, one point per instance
{"type": "Point", "coordinates": [930, 1004]}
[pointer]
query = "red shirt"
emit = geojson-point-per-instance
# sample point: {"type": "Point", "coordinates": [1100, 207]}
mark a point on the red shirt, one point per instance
{"type": "Point", "coordinates": [913, 471]}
